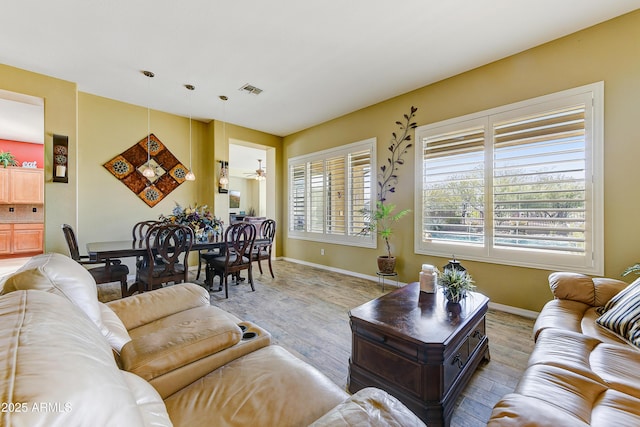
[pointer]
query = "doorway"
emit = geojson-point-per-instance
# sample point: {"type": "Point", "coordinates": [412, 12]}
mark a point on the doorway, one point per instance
{"type": "Point", "coordinates": [21, 179]}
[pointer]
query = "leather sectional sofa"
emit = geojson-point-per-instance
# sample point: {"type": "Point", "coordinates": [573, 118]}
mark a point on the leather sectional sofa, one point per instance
{"type": "Point", "coordinates": [580, 373]}
{"type": "Point", "coordinates": [161, 358]}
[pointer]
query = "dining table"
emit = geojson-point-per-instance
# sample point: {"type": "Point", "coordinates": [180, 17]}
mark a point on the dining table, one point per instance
{"type": "Point", "coordinates": [105, 251]}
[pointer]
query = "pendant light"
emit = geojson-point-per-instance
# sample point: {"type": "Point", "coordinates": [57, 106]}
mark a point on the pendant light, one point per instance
{"type": "Point", "coordinates": [190, 176]}
{"type": "Point", "coordinates": [223, 180]}
{"type": "Point", "coordinates": [148, 171]}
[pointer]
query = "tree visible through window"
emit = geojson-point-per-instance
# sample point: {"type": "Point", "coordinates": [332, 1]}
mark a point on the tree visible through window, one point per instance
{"type": "Point", "coordinates": [519, 184]}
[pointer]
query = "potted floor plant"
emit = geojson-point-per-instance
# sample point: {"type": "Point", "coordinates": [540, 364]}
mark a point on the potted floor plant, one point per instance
{"type": "Point", "coordinates": [382, 219]}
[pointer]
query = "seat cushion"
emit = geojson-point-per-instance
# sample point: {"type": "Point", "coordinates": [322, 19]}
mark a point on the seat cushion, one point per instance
{"type": "Point", "coordinates": [177, 340]}
{"type": "Point", "coordinates": [268, 387]}
{"type": "Point", "coordinates": [115, 273]}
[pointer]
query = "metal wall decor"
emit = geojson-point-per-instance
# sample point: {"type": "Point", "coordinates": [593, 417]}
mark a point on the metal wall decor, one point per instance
{"type": "Point", "coordinates": [60, 158]}
{"type": "Point", "coordinates": [127, 167]}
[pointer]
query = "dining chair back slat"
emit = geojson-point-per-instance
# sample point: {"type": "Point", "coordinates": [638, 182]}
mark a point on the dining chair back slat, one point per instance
{"type": "Point", "coordinates": [168, 245]}
{"type": "Point", "coordinates": [263, 251]}
{"type": "Point", "coordinates": [239, 239]}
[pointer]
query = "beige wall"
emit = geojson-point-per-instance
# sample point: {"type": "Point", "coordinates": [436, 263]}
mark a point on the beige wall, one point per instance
{"type": "Point", "coordinates": [94, 202]}
{"type": "Point", "coordinates": [60, 118]}
{"type": "Point", "coordinates": [98, 129]}
{"type": "Point", "coordinates": [608, 52]}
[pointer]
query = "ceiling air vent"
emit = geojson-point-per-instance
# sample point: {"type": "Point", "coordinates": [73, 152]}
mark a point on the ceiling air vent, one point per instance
{"type": "Point", "coordinates": [251, 89]}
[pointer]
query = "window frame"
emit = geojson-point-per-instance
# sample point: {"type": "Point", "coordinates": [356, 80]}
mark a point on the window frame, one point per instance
{"type": "Point", "coordinates": [368, 239]}
{"type": "Point", "coordinates": [592, 262]}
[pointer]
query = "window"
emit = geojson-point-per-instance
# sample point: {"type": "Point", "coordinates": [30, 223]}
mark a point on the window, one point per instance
{"type": "Point", "coordinates": [519, 184]}
{"type": "Point", "coordinates": [330, 194]}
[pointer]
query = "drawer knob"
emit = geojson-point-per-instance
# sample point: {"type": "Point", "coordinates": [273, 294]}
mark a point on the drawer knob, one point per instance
{"type": "Point", "coordinates": [477, 334]}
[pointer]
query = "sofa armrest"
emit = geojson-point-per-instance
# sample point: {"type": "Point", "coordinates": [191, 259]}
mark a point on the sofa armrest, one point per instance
{"type": "Point", "coordinates": [578, 287]}
{"type": "Point", "coordinates": [147, 307]}
{"type": "Point", "coordinates": [369, 407]}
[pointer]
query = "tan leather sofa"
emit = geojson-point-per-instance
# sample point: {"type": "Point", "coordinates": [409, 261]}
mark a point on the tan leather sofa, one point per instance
{"type": "Point", "coordinates": [161, 358]}
{"type": "Point", "coordinates": [579, 373]}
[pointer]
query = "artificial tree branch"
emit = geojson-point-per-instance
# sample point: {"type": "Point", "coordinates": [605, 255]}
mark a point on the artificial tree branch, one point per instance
{"type": "Point", "coordinates": [399, 145]}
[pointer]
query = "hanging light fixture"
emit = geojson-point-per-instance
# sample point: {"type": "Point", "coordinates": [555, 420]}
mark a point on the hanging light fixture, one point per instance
{"type": "Point", "coordinates": [224, 174]}
{"type": "Point", "coordinates": [261, 175]}
{"type": "Point", "coordinates": [190, 176]}
{"type": "Point", "coordinates": [148, 171]}
{"type": "Point", "coordinates": [223, 179]}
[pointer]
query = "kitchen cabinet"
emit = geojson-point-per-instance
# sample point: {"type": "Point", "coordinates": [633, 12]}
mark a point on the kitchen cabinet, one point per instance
{"type": "Point", "coordinates": [27, 238]}
{"type": "Point", "coordinates": [21, 238]}
{"type": "Point", "coordinates": [4, 185]}
{"type": "Point", "coordinates": [5, 239]}
{"type": "Point", "coordinates": [21, 185]}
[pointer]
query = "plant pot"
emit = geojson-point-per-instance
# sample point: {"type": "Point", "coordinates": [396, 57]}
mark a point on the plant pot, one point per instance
{"type": "Point", "coordinates": [386, 264]}
{"type": "Point", "coordinates": [454, 297]}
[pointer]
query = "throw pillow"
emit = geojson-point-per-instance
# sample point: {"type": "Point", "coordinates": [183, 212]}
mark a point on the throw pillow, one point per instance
{"type": "Point", "coordinates": [632, 288]}
{"type": "Point", "coordinates": [623, 318]}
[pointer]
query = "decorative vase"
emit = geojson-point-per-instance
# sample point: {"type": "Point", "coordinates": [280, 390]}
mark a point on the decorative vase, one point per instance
{"type": "Point", "coordinates": [386, 264]}
{"type": "Point", "coordinates": [454, 308]}
{"type": "Point", "coordinates": [454, 297]}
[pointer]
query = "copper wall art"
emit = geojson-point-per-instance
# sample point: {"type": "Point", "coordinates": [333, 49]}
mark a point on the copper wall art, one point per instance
{"type": "Point", "coordinates": [169, 171]}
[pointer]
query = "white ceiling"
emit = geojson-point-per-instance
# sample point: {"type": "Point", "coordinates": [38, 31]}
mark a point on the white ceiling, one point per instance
{"type": "Point", "coordinates": [315, 60]}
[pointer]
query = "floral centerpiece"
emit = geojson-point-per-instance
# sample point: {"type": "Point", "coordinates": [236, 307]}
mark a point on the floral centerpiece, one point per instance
{"type": "Point", "coordinates": [199, 218]}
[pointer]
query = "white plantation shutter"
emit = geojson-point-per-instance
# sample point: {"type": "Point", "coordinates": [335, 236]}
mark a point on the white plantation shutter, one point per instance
{"type": "Point", "coordinates": [360, 196]}
{"type": "Point", "coordinates": [315, 198]}
{"type": "Point", "coordinates": [297, 199]}
{"type": "Point", "coordinates": [539, 178]}
{"type": "Point", "coordinates": [519, 184]}
{"type": "Point", "coordinates": [335, 195]}
{"type": "Point", "coordinates": [330, 193]}
{"type": "Point", "coordinates": [453, 186]}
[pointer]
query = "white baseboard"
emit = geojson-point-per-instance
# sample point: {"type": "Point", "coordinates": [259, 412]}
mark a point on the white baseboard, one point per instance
{"type": "Point", "coordinates": [514, 310]}
{"type": "Point", "coordinates": [337, 270]}
{"type": "Point", "coordinates": [493, 305]}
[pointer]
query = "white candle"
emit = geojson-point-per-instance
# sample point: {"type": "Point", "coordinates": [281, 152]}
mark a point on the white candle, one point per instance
{"type": "Point", "coordinates": [60, 171]}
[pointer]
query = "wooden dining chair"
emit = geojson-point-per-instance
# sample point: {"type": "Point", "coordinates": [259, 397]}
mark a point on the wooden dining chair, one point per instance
{"type": "Point", "coordinates": [103, 272]}
{"type": "Point", "coordinates": [262, 251]}
{"type": "Point", "coordinates": [204, 254]}
{"type": "Point", "coordinates": [238, 242]}
{"type": "Point", "coordinates": [169, 245]}
{"type": "Point", "coordinates": [139, 233]}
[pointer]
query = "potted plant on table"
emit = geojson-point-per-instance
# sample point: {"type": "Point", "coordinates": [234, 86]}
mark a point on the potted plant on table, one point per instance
{"type": "Point", "coordinates": [382, 219]}
{"type": "Point", "coordinates": [455, 283]}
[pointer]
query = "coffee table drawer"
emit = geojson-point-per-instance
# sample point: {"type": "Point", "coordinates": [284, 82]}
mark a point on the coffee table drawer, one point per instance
{"type": "Point", "coordinates": [392, 343]}
{"type": "Point", "coordinates": [388, 365]}
{"type": "Point", "coordinates": [455, 363]}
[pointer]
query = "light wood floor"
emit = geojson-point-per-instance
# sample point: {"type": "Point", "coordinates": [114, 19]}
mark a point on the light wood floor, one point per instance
{"type": "Point", "coordinates": [306, 311]}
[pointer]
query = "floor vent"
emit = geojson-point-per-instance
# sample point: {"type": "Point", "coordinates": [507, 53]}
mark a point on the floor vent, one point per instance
{"type": "Point", "coordinates": [251, 89]}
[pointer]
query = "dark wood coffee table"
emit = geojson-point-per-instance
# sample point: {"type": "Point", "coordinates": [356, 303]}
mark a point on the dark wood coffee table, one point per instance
{"type": "Point", "coordinates": [418, 348]}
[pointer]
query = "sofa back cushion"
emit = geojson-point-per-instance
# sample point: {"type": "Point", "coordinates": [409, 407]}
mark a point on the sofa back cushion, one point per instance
{"type": "Point", "coordinates": [58, 367]}
{"type": "Point", "coordinates": [60, 275]}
